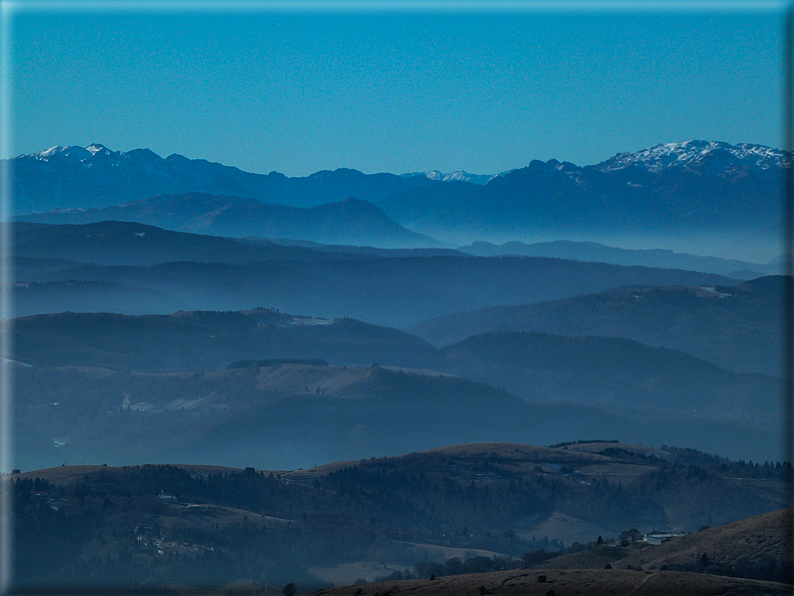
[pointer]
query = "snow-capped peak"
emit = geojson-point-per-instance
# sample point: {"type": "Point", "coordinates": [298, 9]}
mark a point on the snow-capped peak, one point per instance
{"type": "Point", "coordinates": [458, 176]}
{"type": "Point", "coordinates": [95, 148]}
{"type": "Point", "coordinates": [51, 151]}
{"type": "Point", "coordinates": [71, 152]}
{"type": "Point", "coordinates": [673, 155]}
{"type": "Point", "coordinates": [464, 176]}
{"type": "Point", "coordinates": [48, 152]}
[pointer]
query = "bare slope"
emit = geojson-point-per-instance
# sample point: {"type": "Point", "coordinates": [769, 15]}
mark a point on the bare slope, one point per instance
{"type": "Point", "coordinates": [754, 540]}
{"type": "Point", "coordinates": [572, 583]}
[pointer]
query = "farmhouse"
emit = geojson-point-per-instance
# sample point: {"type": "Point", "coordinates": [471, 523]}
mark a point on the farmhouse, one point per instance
{"type": "Point", "coordinates": [657, 538]}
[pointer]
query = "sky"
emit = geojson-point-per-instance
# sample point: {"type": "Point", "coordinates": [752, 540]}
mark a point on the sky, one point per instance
{"type": "Point", "coordinates": [396, 90]}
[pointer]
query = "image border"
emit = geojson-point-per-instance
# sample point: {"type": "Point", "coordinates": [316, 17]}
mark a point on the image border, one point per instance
{"type": "Point", "coordinates": [10, 8]}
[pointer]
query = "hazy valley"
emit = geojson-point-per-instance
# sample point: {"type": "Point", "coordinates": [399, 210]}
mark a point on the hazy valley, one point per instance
{"type": "Point", "coordinates": [240, 381]}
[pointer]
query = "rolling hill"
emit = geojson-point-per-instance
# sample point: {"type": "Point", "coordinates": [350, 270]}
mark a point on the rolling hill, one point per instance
{"type": "Point", "coordinates": [738, 328]}
{"type": "Point", "coordinates": [596, 252]}
{"type": "Point", "coordinates": [351, 221]}
{"type": "Point", "coordinates": [612, 372]}
{"type": "Point", "coordinates": [198, 272]}
{"type": "Point", "coordinates": [94, 525]}
{"type": "Point", "coordinates": [636, 388]}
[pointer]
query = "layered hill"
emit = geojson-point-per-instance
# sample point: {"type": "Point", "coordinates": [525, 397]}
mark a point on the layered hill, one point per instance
{"type": "Point", "coordinates": [612, 372]}
{"type": "Point", "coordinates": [594, 251]}
{"type": "Point", "coordinates": [631, 381]}
{"type": "Point", "coordinates": [205, 340]}
{"type": "Point", "coordinates": [100, 525]}
{"type": "Point", "coordinates": [205, 273]}
{"type": "Point", "coordinates": [352, 221]}
{"type": "Point", "coordinates": [736, 327]}
{"type": "Point", "coordinates": [287, 410]}
{"type": "Point", "coordinates": [285, 415]}
{"type": "Point", "coordinates": [51, 248]}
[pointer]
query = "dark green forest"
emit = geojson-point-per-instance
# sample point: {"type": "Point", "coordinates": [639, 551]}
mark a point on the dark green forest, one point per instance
{"type": "Point", "coordinates": [156, 524]}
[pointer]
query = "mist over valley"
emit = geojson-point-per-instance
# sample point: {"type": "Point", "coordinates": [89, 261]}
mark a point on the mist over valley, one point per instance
{"type": "Point", "coordinates": [239, 381]}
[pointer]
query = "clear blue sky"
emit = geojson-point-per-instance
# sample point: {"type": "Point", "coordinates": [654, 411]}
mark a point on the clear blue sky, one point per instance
{"type": "Point", "coordinates": [398, 91]}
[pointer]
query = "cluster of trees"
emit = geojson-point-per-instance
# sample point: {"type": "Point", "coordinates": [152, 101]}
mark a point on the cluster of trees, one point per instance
{"type": "Point", "coordinates": [361, 512]}
{"type": "Point", "coordinates": [547, 549]}
{"type": "Point", "coordinates": [715, 463]}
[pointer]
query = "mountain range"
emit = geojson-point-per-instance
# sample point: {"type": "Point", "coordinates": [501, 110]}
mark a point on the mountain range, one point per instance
{"type": "Point", "coordinates": [95, 176]}
{"type": "Point", "coordinates": [177, 310]}
{"type": "Point", "coordinates": [694, 187]}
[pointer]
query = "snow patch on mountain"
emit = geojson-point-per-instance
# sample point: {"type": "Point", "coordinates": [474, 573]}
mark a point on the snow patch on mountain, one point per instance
{"type": "Point", "coordinates": [48, 152]}
{"type": "Point", "coordinates": [457, 176]}
{"type": "Point", "coordinates": [95, 148]}
{"type": "Point", "coordinates": [71, 153]}
{"type": "Point", "coordinates": [695, 154]}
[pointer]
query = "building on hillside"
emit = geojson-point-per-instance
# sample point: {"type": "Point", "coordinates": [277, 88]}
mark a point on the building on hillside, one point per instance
{"type": "Point", "coordinates": [657, 538]}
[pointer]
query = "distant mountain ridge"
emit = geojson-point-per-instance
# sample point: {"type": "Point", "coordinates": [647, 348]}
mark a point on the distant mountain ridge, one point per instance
{"type": "Point", "coordinates": [596, 252]}
{"type": "Point", "coordinates": [456, 176]}
{"type": "Point", "coordinates": [352, 221]}
{"type": "Point", "coordinates": [688, 186]}
{"type": "Point", "coordinates": [696, 186]}
{"type": "Point", "coordinates": [95, 176]}
{"type": "Point", "coordinates": [695, 154]}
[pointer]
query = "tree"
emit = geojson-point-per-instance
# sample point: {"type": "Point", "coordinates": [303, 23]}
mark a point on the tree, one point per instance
{"type": "Point", "coordinates": [290, 589]}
